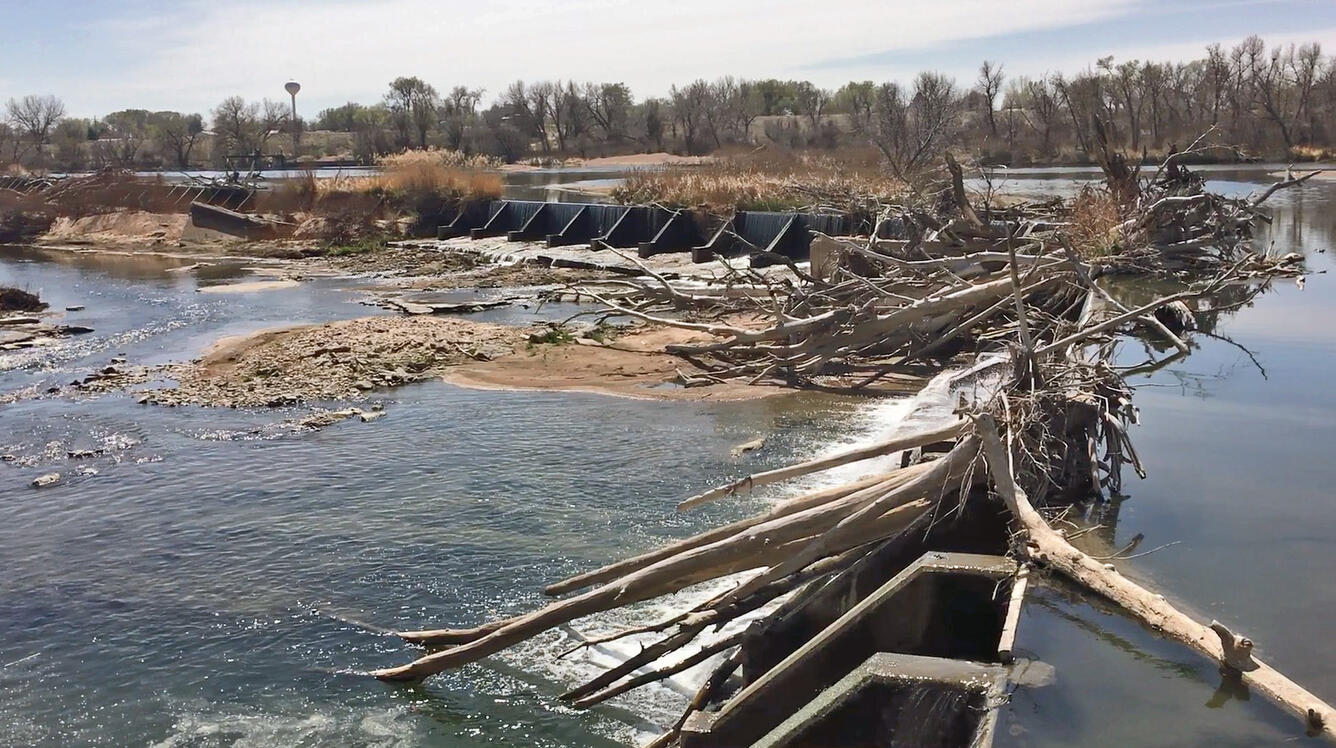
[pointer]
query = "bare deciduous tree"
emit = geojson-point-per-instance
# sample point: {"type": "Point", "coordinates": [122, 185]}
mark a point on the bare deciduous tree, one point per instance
{"type": "Point", "coordinates": [1041, 109]}
{"type": "Point", "coordinates": [609, 106]}
{"type": "Point", "coordinates": [989, 86]}
{"type": "Point", "coordinates": [177, 134]}
{"type": "Point", "coordinates": [459, 109]}
{"type": "Point", "coordinates": [653, 111]}
{"type": "Point", "coordinates": [1278, 102]}
{"type": "Point", "coordinates": [912, 132]}
{"type": "Point", "coordinates": [412, 105]}
{"type": "Point", "coordinates": [35, 115]}
{"type": "Point", "coordinates": [236, 124]}
{"type": "Point", "coordinates": [274, 117]}
{"type": "Point", "coordinates": [812, 101]}
{"type": "Point", "coordinates": [691, 109]}
{"type": "Point", "coordinates": [127, 132]}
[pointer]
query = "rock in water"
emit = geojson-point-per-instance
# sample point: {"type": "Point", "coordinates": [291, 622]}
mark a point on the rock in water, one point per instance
{"type": "Point", "coordinates": [745, 447]}
{"type": "Point", "coordinates": [42, 481]}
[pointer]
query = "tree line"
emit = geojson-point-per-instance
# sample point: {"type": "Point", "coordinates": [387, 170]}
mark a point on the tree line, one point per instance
{"type": "Point", "coordinates": [1278, 102]}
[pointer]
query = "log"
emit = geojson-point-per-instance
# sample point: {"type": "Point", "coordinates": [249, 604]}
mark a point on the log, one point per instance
{"type": "Point", "coordinates": [1149, 319]}
{"type": "Point", "coordinates": [684, 635]}
{"type": "Point", "coordinates": [1113, 322]}
{"type": "Point", "coordinates": [1045, 546]}
{"type": "Point", "coordinates": [712, 613]}
{"type": "Point", "coordinates": [791, 506]}
{"type": "Point", "coordinates": [943, 471]}
{"type": "Point", "coordinates": [697, 657]}
{"type": "Point", "coordinates": [891, 446]}
{"type": "Point", "coordinates": [702, 697]}
{"type": "Point", "coordinates": [759, 547]}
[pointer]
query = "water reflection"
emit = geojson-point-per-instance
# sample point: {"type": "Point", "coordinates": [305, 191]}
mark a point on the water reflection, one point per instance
{"type": "Point", "coordinates": [143, 267]}
{"type": "Point", "coordinates": [563, 185]}
{"type": "Point", "coordinates": [1118, 685]}
{"type": "Point", "coordinates": [1234, 438]}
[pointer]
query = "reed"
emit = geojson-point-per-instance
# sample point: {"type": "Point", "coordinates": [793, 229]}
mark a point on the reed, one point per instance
{"type": "Point", "coordinates": [764, 181]}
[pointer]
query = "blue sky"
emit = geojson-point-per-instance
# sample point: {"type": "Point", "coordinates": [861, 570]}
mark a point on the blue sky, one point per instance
{"type": "Point", "coordinates": [189, 54]}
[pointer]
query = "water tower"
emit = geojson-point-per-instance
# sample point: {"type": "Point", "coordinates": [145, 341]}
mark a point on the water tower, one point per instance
{"type": "Point", "coordinates": [292, 87]}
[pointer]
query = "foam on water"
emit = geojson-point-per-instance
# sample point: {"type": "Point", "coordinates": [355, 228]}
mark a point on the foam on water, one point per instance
{"type": "Point", "coordinates": [292, 723]}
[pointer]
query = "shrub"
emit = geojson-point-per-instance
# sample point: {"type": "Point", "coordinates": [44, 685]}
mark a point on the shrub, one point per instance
{"type": "Point", "coordinates": [554, 334]}
{"type": "Point", "coordinates": [1094, 223]}
{"type": "Point", "coordinates": [1311, 153]}
{"type": "Point", "coordinates": [429, 185]}
{"type": "Point", "coordinates": [17, 300]}
{"type": "Point", "coordinates": [416, 174]}
{"type": "Point", "coordinates": [778, 182]}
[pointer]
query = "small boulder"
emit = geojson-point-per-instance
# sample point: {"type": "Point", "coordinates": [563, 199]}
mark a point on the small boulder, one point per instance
{"type": "Point", "coordinates": [42, 481]}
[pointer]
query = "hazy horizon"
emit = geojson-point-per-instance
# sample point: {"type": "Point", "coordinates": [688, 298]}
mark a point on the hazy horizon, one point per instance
{"type": "Point", "coordinates": [100, 58]}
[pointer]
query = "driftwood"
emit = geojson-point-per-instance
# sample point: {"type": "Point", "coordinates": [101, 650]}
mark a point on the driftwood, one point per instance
{"type": "Point", "coordinates": [1004, 282]}
{"type": "Point", "coordinates": [891, 446]}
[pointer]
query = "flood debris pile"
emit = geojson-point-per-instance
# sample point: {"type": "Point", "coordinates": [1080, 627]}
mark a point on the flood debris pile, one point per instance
{"type": "Point", "coordinates": [336, 361]}
{"type": "Point", "coordinates": [884, 313]}
{"type": "Point", "coordinates": [1170, 223]}
{"type": "Point", "coordinates": [1041, 425]}
{"type": "Point", "coordinates": [18, 300]}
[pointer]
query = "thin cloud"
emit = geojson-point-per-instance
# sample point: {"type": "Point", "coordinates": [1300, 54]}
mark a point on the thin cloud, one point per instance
{"type": "Point", "coordinates": [350, 50]}
{"type": "Point", "coordinates": [190, 55]}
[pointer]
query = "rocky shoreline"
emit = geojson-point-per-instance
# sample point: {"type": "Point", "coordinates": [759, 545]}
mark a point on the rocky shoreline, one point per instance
{"type": "Point", "coordinates": [335, 361]}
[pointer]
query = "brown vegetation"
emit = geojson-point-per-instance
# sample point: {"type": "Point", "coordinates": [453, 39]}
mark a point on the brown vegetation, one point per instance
{"type": "Point", "coordinates": [424, 187]}
{"type": "Point", "coordinates": [767, 180]}
{"type": "Point", "coordinates": [17, 300]}
{"type": "Point", "coordinates": [1094, 223]}
{"type": "Point", "coordinates": [414, 192]}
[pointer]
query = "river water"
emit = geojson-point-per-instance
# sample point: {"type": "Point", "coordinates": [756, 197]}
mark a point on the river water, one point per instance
{"type": "Point", "coordinates": [221, 578]}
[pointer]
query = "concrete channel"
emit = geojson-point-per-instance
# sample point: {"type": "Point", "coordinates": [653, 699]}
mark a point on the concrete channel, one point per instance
{"type": "Point", "coordinates": [920, 661]}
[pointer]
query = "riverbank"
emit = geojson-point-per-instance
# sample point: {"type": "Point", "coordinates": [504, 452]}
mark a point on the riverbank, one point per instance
{"type": "Point", "coordinates": [633, 364]}
{"type": "Point", "coordinates": [332, 361]}
{"type": "Point", "coordinates": [345, 360]}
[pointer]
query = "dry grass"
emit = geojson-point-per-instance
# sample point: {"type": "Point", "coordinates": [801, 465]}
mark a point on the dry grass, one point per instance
{"type": "Point", "coordinates": [443, 173]}
{"type": "Point", "coordinates": [428, 187]}
{"type": "Point", "coordinates": [783, 181]}
{"type": "Point", "coordinates": [1094, 223]}
{"type": "Point", "coordinates": [435, 157]}
{"type": "Point", "coordinates": [1311, 153]}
